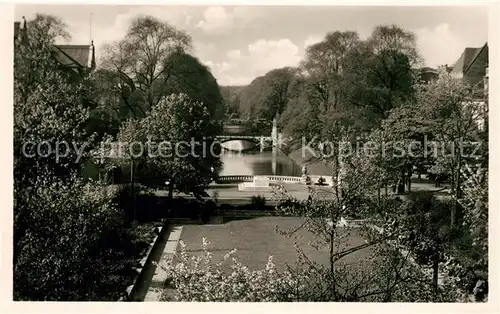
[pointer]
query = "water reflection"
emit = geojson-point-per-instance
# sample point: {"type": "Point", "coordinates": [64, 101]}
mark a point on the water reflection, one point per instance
{"type": "Point", "coordinates": [239, 145]}
{"type": "Point", "coordinates": [255, 162]}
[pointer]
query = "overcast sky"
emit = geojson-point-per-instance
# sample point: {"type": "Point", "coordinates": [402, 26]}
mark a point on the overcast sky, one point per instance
{"type": "Point", "coordinates": [241, 43]}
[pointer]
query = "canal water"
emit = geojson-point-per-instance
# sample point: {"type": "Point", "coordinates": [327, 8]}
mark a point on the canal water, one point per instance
{"type": "Point", "coordinates": [253, 161]}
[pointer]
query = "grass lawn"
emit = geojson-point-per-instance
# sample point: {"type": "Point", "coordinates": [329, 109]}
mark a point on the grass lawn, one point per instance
{"type": "Point", "coordinates": [256, 239]}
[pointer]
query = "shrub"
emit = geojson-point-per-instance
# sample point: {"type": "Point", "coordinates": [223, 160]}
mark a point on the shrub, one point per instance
{"type": "Point", "coordinates": [71, 245]}
{"type": "Point", "coordinates": [197, 279]}
{"type": "Point", "coordinates": [258, 202]}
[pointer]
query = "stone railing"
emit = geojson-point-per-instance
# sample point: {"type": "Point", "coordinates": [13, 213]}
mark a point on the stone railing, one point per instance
{"type": "Point", "coordinates": [250, 178]}
{"type": "Point", "coordinates": [243, 137]}
{"type": "Point", "coordinates": [272, 179]}
{"type": "Point", "coordinates": [236, 178]}
{"type": "Point", "coordinates": [286, 179]}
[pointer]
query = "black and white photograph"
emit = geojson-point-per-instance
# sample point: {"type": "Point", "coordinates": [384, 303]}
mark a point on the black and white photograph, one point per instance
{"type": "Point", "coordinates": [251, 153]}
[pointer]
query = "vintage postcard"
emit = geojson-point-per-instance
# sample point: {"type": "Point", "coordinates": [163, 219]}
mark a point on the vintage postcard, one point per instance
{"type": "Point", "coordinates": [243, 152]}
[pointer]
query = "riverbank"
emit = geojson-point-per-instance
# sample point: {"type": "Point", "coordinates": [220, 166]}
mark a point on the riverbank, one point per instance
{"type": "Point", "coordinates": [314, 166]}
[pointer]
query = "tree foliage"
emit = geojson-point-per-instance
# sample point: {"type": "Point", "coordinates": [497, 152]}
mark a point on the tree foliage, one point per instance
{"type": "Point", "coordinates": [468, 261]}
{"type": "Point", "coordinates": [166, 106]}
{"type": "Point", "coordinates": [69, 249]}
{"type": "Point", "coordinates": [51, 109]}
{"type": "Point", "coordinates": [381, 74]}
{"type": "Point", "coordinates": [267, 96]}
{"type": "Point", "coordinates": [352, 82]}
{"type": "Point", "coordinates": [325, 64]}
{"type": "Point", "coordinates": [451, 106]}
{"type": "Point", "coordinates": [151, 62]}
{"type": "Point", "coordinates": [140, 64]}
{"type": "Point", "coordinates": [188, 76]}
{"type": "Point", "coordinates": [173, 144]}
{"type": "Point", "coordinates": [231, 95]}
{"type": "Point", "coordinates": [69, 240]}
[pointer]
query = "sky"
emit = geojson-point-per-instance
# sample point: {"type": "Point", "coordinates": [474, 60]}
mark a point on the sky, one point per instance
{"type": "Point", "coordinates": [240, 43]}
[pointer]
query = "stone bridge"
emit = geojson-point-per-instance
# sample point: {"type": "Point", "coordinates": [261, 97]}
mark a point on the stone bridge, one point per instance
{"type": "Point", "coordinates": [257, 139]}
{"type": "Point", "coordinates": [261, 141]}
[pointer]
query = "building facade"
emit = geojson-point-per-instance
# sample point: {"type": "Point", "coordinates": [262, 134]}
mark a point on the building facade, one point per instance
{"type": "Point", "coordinates": [472, 67]}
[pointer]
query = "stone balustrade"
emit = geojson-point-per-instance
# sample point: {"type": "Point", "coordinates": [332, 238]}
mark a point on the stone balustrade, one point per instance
{"type": "Point", "coordinates": [235, 178]}
{"type": "Point", "coordinates": [243, 137]}
{"type": "Point", "coordinates": [286, 179]}
{"type": "Point", "coordinates": [272, 179]}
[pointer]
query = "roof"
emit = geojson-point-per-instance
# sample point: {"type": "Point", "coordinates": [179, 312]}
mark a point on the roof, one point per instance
{"type": "Point", "coordinates": [465, 60]}
{"type": "Point", "coordinates": [74, 56]}
{"type": "Point", "coordinates": [81, 54]}
{"type": "Point", "coordinates": [485, 46]}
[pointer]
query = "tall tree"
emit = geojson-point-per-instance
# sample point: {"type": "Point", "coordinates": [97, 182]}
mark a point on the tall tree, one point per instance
{"type": "Point", "coordinates": [41, 33]}
{"type": "Point", "coordinates": [424, 231]}
{"type": "Point", "coordinates": [381, 73]}
{"type": "Point", "coordinates": [189, 76]}
{"type": "Point", "coordinates": [172, 145]}
{"type": "Point", "coordinates": [300, 118]}
{"type": "Point", "coordinates": [68, 238]}
{"type": "Point", "coordinates": [267, 95]}
{"type": "Point", "coordinates": [452, 107]}
{"type": "Point", "coordinates": [112, 98]}
{"type": "Point", "coordinates": [408, 135]}
{"type": "Point", "coordinates": [325, 63]}
{"type": "Point", "coordinates": [141, 61]}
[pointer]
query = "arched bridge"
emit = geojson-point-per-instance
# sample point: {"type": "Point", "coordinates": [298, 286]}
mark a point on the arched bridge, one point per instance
{"type": "Point", "coordinates": [252, 140]}
{"type": "Point", "coordinates": [256, 139]}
